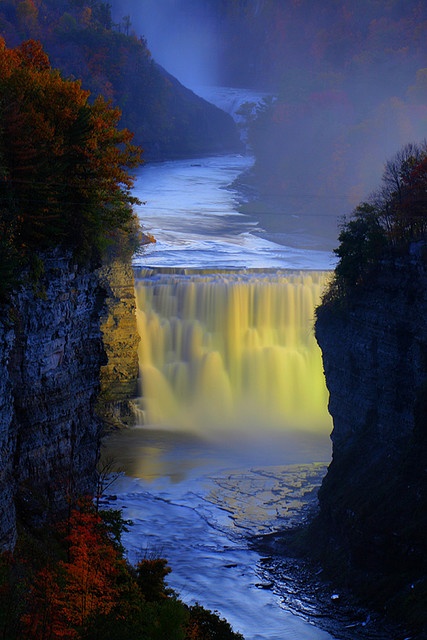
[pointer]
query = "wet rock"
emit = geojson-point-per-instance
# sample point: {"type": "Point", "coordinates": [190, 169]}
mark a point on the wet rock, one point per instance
{"type": "Point", "coordinates": [264, 585]}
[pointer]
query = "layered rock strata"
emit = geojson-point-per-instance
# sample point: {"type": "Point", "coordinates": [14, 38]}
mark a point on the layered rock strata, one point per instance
{"type": "Point", "coordinates": [7, 506]}
{"type": "Point", "coordinates": [50, 356]}
{"type": "Point", "coordinates": [119, 376]}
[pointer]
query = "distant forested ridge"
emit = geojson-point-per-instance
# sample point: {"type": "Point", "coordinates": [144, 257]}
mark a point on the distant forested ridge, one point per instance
{"type": "Point", "coordinates": [350, 85]}
{"type": "Point", "coordinates": [301, 46]}
{"type": "Point", "coordinates": [348, 82]}
{"type": "Point", "coordinates": [82, 41]}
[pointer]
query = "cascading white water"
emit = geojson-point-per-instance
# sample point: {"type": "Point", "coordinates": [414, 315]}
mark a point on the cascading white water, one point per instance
{"type": "Point", "coordinates": [230, 350]}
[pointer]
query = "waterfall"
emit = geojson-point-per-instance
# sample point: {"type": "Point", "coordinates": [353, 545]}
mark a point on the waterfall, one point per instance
{"type": "Point", "coordinates": [230, 350]}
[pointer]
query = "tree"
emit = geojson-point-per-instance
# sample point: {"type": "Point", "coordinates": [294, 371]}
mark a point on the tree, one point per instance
{"type": "Point", "coordinates": [207, 625]}
{"type": "Point", "coordinates": [362, 242]}
{"type": "Point", "coordinates": [151, 574]}
{"type": "Point", "coordinates": [102, 13]}
{"type": "Point", "coordinates": [89, 573]}
{"type": "Point", "coordinates": [393, 218]}
{"type": "Point", "coordinates": [68, 596]}
{"type": "Point", "coordinates": [414, 200]}
{"type": "Point", "coordinates": [12, 597]}
{"type": "Point", "coordinates": [27, 15]}
{"type": "Point", "coordinates": [45, 616]}
{"type": "Point", "coordinates": [403, 193]}
{"type": "Point", "coordinates": [63, 161]}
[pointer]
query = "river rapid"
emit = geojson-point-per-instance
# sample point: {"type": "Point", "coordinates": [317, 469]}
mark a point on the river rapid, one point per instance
{"type": "Point", "coordinates": [200, 500]}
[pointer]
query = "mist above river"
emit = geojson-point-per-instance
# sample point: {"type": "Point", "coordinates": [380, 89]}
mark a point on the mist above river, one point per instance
{"type": "Point", "coordinates": [182, 37]}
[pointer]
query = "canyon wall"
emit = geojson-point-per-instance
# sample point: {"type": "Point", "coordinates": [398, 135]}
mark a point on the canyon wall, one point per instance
{"type": "Point", "coordinates": [373, 501]}
{"type": "Point", "coordinates": [119, 376]}
{"type": "Point", "coordinates": [51, 353]}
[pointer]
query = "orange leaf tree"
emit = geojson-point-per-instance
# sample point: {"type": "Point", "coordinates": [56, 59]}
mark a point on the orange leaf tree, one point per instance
{"type": "Point", "coordinates": [90, 571]}
{"type": "Point", "coordinates": [45, 617]}
{"type": "Point", "coordinates": [67, 597]}
{"type": "Point", "coordinates": [64, 163]}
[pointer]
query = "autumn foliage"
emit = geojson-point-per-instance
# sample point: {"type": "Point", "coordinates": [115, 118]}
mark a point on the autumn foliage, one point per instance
{"type": "Point", "coordinates": [79, 586]}
{"type": "Point", "coordinates": [69, 595]}
{"type": "Point", "coordinates": [64, 163]}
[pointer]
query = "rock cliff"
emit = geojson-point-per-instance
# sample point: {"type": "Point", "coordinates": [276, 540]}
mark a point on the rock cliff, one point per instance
{"type": "Point", "coordinates": [7, 507]}
{"type": "Point", "coordinates": [51, 352]}
{"type": "Point", "coordinates": [373, 501]}
{"type": "Point", "coordinates": [119, 376]}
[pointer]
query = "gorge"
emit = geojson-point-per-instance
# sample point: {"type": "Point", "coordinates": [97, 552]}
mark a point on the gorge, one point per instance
{"type": "Point", "coordinates": [257, 490]}
{"type": "Point", "coordinates": [196, 494]}
{"type": "Point", "coordinates": [179, 477]}
{"type": "Point", "coordinates": [231, 436]}
{"type": "Point", "coordinates": [195, 371]}
{"type": "Point", "coordinates": [223, 385]}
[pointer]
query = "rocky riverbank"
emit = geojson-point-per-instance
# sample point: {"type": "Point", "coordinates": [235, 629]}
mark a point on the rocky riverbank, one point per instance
{"type": "Point", "coordinates": [306, 590]}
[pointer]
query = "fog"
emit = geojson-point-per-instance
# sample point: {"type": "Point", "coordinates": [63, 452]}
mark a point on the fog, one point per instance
{"type": "Point", "coordinates": [348, 82]}
{"type": "Point", "coordinates": [182, 36]}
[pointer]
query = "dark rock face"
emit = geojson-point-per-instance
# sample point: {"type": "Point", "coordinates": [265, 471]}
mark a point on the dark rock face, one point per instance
{"type": "Point", "coordinates": [50, 356]}
{"type": "Point", "coordinates": [7, 507]}
{"type": "Point", "coordinates": [373, 501]}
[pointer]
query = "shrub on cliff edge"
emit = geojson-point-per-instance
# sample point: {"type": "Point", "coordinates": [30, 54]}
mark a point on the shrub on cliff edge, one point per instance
{"type": "Point", "coordinates": [393, 219]}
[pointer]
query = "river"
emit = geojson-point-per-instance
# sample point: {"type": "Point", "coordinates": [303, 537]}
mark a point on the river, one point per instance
{"type": "Point", "coordinates": [198, 499]}
{"type": "Point", "coordinates": [192, 211]}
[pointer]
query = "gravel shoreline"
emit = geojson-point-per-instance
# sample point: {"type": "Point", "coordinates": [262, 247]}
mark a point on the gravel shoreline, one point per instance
{"type": "Point", "coordinates": [306, 592]}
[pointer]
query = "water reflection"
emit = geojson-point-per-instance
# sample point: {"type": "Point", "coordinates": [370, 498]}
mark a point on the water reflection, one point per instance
{"type": "Point", "coordinates": [197, 502]}
{"type": "Point", "coordinates": [150, 454]}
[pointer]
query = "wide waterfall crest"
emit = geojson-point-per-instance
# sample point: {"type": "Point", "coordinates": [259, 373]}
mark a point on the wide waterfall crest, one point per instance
{"type": "Point", "coordinates": [230, 350]}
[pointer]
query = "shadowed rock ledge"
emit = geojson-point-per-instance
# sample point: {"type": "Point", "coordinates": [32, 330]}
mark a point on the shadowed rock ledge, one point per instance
{"type": "Point", "coordinates": [371, 530]}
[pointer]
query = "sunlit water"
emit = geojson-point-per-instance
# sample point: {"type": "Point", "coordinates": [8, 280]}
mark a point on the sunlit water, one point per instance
{"type": "Point", "coordinates": [225, 352]}
{"type": "Point", "coordinates": [198, 500]}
